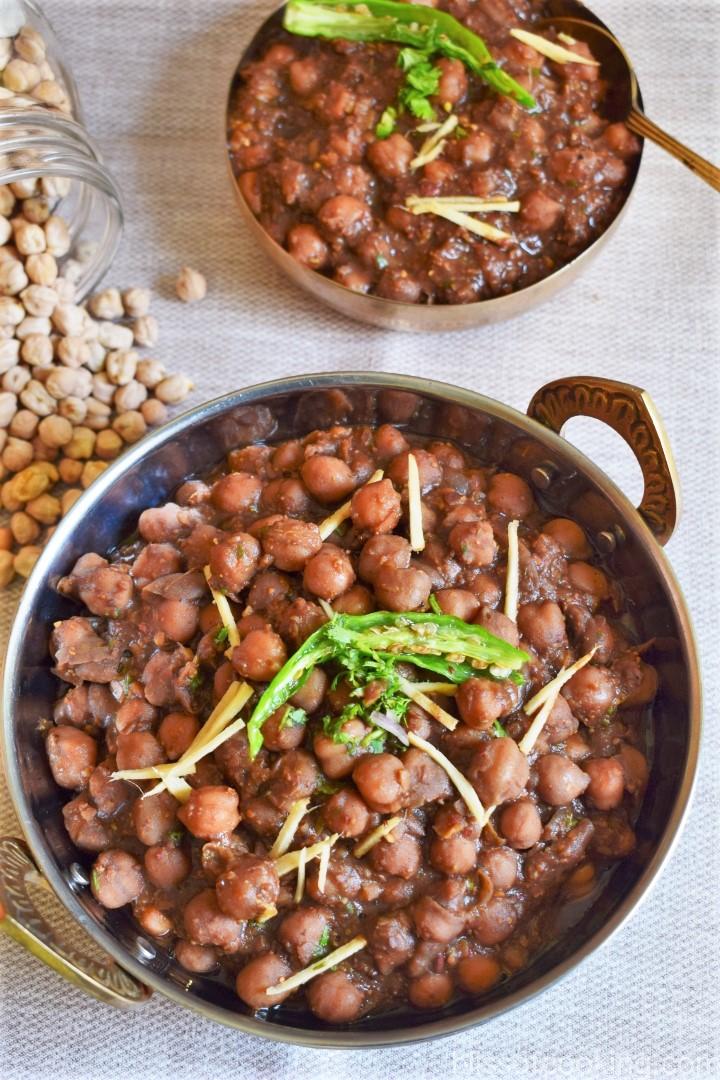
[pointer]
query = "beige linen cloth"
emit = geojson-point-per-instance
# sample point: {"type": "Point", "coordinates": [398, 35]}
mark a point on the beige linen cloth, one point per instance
{"type": "Point", "coordinates": [153, 75]}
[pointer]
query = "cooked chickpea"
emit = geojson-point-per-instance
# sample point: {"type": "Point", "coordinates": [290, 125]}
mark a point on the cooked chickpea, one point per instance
{"type": "Point", "coordinates": [25, 529]}
{"type": "Point", "coordinates": [210, 812]}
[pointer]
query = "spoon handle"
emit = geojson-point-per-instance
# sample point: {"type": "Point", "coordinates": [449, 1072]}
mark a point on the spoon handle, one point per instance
{"type": "Point", "coordinates": [641, 125]}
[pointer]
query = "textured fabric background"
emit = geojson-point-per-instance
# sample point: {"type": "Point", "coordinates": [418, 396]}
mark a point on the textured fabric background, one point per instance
{"type": "Point", "coordinates": [153, 75]}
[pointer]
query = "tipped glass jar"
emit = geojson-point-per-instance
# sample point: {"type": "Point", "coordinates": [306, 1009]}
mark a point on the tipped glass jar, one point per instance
{"type": "Point", "coordinates": [49, 165]}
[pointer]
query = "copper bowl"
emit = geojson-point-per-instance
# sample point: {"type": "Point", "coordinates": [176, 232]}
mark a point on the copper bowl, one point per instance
{"type": "Point", "coordinates": [565, 482]}
{"type": "Point", "coordinates": [394, 314]}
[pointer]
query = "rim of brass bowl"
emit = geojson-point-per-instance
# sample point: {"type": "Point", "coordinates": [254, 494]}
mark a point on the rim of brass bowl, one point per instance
{"type": "Point", "coordinates": [394, 314]}
{"type": "Point", "coordinates": [59, 552]}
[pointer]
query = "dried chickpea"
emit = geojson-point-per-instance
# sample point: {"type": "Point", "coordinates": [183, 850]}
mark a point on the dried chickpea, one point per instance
{"type": "Point", "coordinates": [6, 538]}
{"type": "Point", "coordinates": [145, 330]}
{"type": "Point", "coordinates": [36, 398]}
{"type": "Point", "coordinates": [69, 498]}
{"type": "Point", "coordinates": [69, 319]}
{"type": "Point", "coordinates": [129, 397]}
{"type": "Point", "coordinates": [42, 268]}
{"type": "Point", "coordinates": [16, 379]}
{"type": "Point", "coordinates": [72, 271]}
{"type": "Point", "coordinates": [9, 354]}
{"type": "Point", "coordinates": [13, 278]}
{"type": "Point", "coordinates": [9, 499]}
{"type": "Point", "coordinates": [28, 484]}
{"type": "Point", "coordinates": [55, 431]}
{"type": "Point", "coordinates": [174, 389]}
{"type": "Point", "coordinates": [24, 528]}
{"type": "Point", "coordinates": [45, 509]}
{"type": "Point", "coordinates": [82, 443]}
{"type": "Point", "coordinates": [65, 287]}
{"type": "Point", "coordinates": [69, 382]}
{"type": "Point", "coordinates": [23, 424]}
{"type": "Point", "coordinates": [153, 412]}
{"type": "Point", "coordinates": [150, 372]}
{"type": "Point", "coordinates": [136, 302]}
{"type": "Point", "coordinates": [37, 210]}
{"type": "Point", "coordinates": [25, 560]}
{"type": "Point", "coordinates": [57, 235]}
{"type": "Point", "coordinates": [130, 426]}
{"type": "Point", "coordinates": [39, 300]}
{"type": "Point", "coordinates": [3, 439]}
{"type": "Point", "coordinates": [37, 350]}
{"type": "Point", "coordinates": [49, 92]}
{"type": "Point", "coordinates": [44, 453]}
{"type": "Point", "coordinates": [56, 187]}
{"type": "Point", "coordinates": [70, 470]}
{"type": "Point", "coordinates": [33, 325]}
{"type": "Point", "coordinates": [113, 336]}
{"type": "Point", "coordinates": [48, 469]}
{"type": "Point", "coordinates": [29, 45]}
{"type": "Point", "coordinates": [23, 189]}
{"type": "Point", "coordinates": [190, 285]}
{"type": "Point", "coordinates": [98, 414]}
{"type": "Point", "coordinates": [108, 444]}
{"type": "Point", "coordinates": [7, 201]}
{"type": "Point", "coordinates": [121, 365]}
{"type": "Point", "coordinates": [96, 360]}
{"type": "Point", "coordinates": [73, 409]}
{"type": "Point", "coordinates": [12, 311]}
{"type": "Point", "coordinates": [72, 351]}
{"type": "Point", "coordinates": [91, 471]}
{"type": "Point", "coordinates": [106, 304]}
{"type": "Point", "coordinates": [29, 238]}
{"type": "Point", "coordinates": [7, 568]}
{"type": "Point", "coordinates": [17, 455]}
{"type": "Point", "coordinates": [8, 408]}
{"type": "Point", "coordinates": [20, 76]}
{"type": "Point", "coordinates": [103, 389]}
{"type": "Point", "coordinates": [5, 230]}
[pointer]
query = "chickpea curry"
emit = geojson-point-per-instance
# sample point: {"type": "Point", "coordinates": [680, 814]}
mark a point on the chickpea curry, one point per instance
{"type": "Point", "coordinates": [349, 722]}
{"type": "Point", "coordinates": [443, 153]}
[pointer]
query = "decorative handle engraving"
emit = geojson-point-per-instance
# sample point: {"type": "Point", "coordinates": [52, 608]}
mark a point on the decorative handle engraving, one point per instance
{"type": "Point", "coordinates": [631, 412]}
{"type": "Point", "coordinates": [21, 920]}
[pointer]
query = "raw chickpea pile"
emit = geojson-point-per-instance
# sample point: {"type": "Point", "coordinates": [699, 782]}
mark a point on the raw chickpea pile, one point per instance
{"type": "Point", "coordinates": [75, 390]}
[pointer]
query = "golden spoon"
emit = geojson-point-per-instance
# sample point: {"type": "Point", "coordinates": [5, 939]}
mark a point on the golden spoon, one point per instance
{"type": "Point", "coordinates": [623, 97]}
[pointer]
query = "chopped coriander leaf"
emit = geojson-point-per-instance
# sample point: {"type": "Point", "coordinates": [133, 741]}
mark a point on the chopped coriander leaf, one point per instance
{"type": "Point", "coordinates": [425, 78]}
{"type": "Point", "coordinates": [460, 132]}
{"type": "Point", "coordinates": [323, 944]}
{"type": "Point", "coordinates": [386, 124]}
{"type": "Point", "coordinates": [221, 635]}
{"type": "Point", "coordinates": [408, 58]}
{"type": "Point", "coordinates": [196, 682]}
{"type": "Point", "coordinates": [293, 718]}
{"type": "Point", "coordinates": [176, 835]}
{"type": "Point", "coordinates": [499, 731]}
{"type": "Point", "coordinates": [381, 262]}
{"type": "Point", "coordinates": [417, 103]}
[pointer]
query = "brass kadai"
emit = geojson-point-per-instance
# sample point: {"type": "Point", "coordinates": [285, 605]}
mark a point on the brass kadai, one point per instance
{"type": "Point", "coordinates": [566, 483]}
